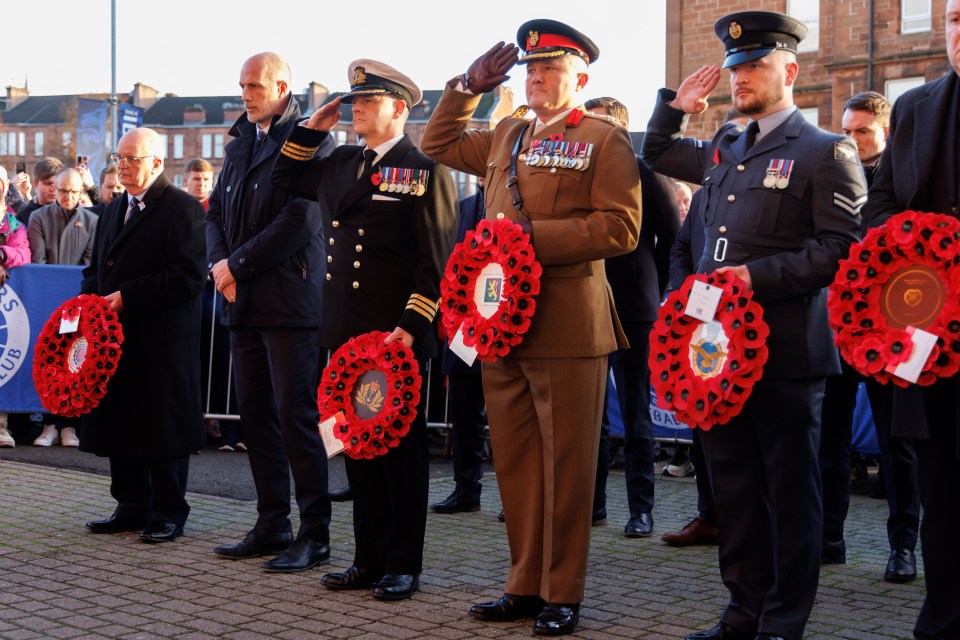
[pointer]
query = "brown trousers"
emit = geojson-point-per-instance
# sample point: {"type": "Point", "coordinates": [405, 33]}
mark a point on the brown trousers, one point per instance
{"type": "Point", "coordinates": [544, 416]}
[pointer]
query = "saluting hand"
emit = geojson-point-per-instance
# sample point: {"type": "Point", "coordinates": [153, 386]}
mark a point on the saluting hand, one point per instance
{"type": "Point", "coordinates": [695, 89]}
{"type": "Point", "coordinates": [326, 117]}
{"type": "Point", "coordinates": [489, 71]}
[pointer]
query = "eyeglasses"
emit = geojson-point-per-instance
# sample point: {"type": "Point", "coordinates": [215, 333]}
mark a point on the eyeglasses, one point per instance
{"type": "Point", "coordinates": [118, 159]}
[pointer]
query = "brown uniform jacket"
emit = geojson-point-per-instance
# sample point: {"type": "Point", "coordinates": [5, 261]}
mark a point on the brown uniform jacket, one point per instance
{"type": "Point", "coordinates": [579, 218]}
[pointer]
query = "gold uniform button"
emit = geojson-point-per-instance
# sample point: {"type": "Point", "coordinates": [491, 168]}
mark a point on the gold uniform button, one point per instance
{"type": "Point", "coordinates": [723, 229]}
{"type": "Point", "coordinates": [356, 265]}
{"type": "Point", "coordinates": [329, 277]}
{"type": "Point", "coordinates": [331, 241]}
{"type": "Point", "coordinates": [329, 258]}
{"type": "Point", "coordinates": [553, 170]}
{"type": "Point", "coordinates": [741, 168]}
{"type": "Point", "coordinates": [356, 285]}
{"type": "Point", "coordinates": [731, 198]}
{"type": "Point", "coordinates": [360, 232]}
{"type": "Point", "coordinates": [359, 248]}
{"type": "Point", "coordinates": [336, 224]}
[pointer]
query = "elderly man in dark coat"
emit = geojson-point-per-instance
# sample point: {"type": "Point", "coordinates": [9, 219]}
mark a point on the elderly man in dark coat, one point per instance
{"type": "Point", "coordinates": [148, 262]}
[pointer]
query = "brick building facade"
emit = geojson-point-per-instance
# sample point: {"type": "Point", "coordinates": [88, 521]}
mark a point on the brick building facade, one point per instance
{"type": "Point", "coordinates": [837, 59]}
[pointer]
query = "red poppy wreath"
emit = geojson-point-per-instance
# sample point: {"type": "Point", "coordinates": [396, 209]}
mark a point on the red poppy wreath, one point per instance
{"type": "Point", "coordinates": [377, 387]}
{"type": "Point", "coordinates": [71, 370]}
{"type": "Point", "coordinates": [902, 274]}
{"type": "Point", "coordinates": [705, 371]}
{"type": "Point", "coordinates": [489, 286]}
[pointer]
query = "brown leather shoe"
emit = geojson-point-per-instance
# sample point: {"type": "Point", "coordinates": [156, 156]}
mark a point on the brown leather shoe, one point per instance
{"type": "Point", "coordinates": [697, 531]}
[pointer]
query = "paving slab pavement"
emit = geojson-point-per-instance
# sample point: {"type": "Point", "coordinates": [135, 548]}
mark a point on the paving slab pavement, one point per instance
{"type": "Point", "coordinates": [59, 581]}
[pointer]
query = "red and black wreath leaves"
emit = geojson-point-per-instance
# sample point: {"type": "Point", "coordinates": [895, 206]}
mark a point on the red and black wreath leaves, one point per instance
{"type": "Point", "coordinates": [708, 399]}
{"type": "Point", "coordinates": [71, 370]}
{"type": "Point", "coordinates": [862, 332]}
{"type": "Point", "coordinates": [340, 384]}
{"type": "Point", "coordinates": [501, 241]}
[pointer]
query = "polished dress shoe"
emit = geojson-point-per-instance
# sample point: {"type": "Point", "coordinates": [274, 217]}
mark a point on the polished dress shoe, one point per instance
{"type": "Point", "coordinates": [352, 578]}
{"type": "Point", "coordinates": [697, 531]}
{"type": "Point", "coordinates": [902, 566]}
{"type": "Point", "coordinates": [508, 608]}
{"type": "Point", "coordinates": [256, 543]}
{"type": "Point", "coordinates": [341, 495]}
{"type": "Point", "coordinates": [116, 523]}
{"type": "Point", "coordinates": [460, 501]}
{"type": "Point", "coordinates": [500, 516]}
{"type": "Point", "coordinates": [396, 586]}
{"type": "Point", "coordinates": [557, 620]}
{"type": "Point", "coordinates": [639, 526]}
{"type": "Point", "coordinates": [303, 554]}
{"type": "Point", "coordinates": [599, 518]}
{"type": "Point", "coordinates": [833, 552]}
{"type": "Point", "coordinates": [722, 631]}
{"type": "Point", "coordinates": [161, 532]}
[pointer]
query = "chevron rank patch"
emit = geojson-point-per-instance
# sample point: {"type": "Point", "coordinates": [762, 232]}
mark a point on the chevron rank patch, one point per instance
{"type": "Point", "coordinates": [850, 206]}
{"type": "Point", "coordinates": [843, 150]}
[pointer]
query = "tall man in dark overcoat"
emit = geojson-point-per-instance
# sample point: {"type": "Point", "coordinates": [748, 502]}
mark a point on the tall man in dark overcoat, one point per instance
{"type": "Point", "coordinates": [148, 262]}
{"type": "Point", "coordinates": [386, 252]}
{"type": "Point", "coordinates": [919, 171]}
{"type": "Point", "coordinates": [266, 255]}
{"type": "Point", "coordinates": [781, 207]}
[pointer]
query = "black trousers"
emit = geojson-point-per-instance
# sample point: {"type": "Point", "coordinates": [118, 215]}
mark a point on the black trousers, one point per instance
{"type": "Point", "coordinates": [939, 474]}
{"type": "Point", "coordinates": [390, 502]}
{"type": "Point", "coordinates": [276, 372]}
{"type": "Point", "coordinates": [467, 437]}
{"type": "Point", "coordinates": [150, 488]}
{"type": "Point", "coordinates": [839, 402]}
{"type": "Point", "coordinates": [766, 485]}
{"type": "Point", "coordinates": [705, 506]}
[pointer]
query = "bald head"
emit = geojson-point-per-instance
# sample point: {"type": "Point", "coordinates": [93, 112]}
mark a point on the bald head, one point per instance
{"type": "Point", "coordinates": [265, 85]}
{"type": "Point", "coordinates": [141, 154]}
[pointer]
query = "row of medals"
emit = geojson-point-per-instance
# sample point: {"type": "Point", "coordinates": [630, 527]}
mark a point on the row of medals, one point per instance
{"type": "Point", "coordinates": [566, 155]}
{"type": "Point", "coordinates": [399, 180]}
{"type": "Point", "coordinates": [778, 174]}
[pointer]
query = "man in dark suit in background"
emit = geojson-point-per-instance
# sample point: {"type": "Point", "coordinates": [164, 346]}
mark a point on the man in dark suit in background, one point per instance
{"type": "Point", "coordinates": [387, 249]}
{"type": "Point", "coordinates": [781, 207]}
{"type": "Point", "coordinates": [638, 280]}
{"type": "Point", "coordinates": [918, 171]}
{"type": "Point", "coordinates": [266, 254]}
{"type": "Point", "coordinates": [148, 262]}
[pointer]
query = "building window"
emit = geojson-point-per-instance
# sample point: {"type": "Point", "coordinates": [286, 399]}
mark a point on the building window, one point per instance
{"type": "Point", "coordinates": [893, 89]}
{"type": "Point", "coordinates": [65, 139]}
{"type": "Point", "coordinates": [206, 145]}
{"type": "Point", "coordinates": [807, 12]}
{"type": "Point", "coordinates": [218, 145]}
{"type": "Point", "coordinates": [811, 115]}
{"type": "Point", "coordinates": [3, 145]}
{"type": "Point", "coordinates": [915, 16]}
{"type": "Point", "coordinates": [38, 144]}
{"type": "Point", "coordinates": [178, 180]}
{"type": "Point", "coordinates": [22, 144]}
{"type": "Point", "coordinates": [178, 145]}
{"type": "Point", "coordinates": [164, 141]}
{"type": "Point", "coordinates": [341, 137]}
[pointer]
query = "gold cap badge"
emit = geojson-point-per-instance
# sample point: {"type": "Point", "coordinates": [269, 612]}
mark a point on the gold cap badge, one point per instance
{"type": "Point", "coordinates": [735, 30]}
{"type": "Point", "coordinates": [359, 76]}
{"type": "Point", "coordinates": [534, 38]}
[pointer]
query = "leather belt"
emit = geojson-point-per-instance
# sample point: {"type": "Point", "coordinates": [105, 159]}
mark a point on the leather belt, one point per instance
{"type": "Point", "coordinates": [512, 179]}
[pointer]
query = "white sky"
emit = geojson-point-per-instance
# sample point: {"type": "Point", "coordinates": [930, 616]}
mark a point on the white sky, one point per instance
{"type": "Point", "coordinates": [196, 47]}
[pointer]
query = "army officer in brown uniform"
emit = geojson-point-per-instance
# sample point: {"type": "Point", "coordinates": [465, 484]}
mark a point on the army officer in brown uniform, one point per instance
{"type": "Point", "coordinates": [544, 398]}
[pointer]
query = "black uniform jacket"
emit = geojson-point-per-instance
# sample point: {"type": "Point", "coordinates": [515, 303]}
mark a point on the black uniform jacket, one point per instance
{"type": "Point", "coordinates": [156, 260]}
{"type": "Point", "coordinates": [386, 250]}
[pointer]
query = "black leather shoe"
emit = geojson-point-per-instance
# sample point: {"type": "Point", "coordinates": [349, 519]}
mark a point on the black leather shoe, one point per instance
{"type": "Point", "coordinates": [599, 518]}
{"type": "Point", "coordinates": [722, 631]}
{"type": "Point", "coordinates": [500, 516]}
{"type": "Point", "coordinates": [302, 555]}
{"type": "Point", "coordinates": [902, 566]}
{"type": "Point", "coordinates": [256, 543]}
{"type": "Point", "coordinates": [396, 586]}
{"type": "Point", "coordinates": [341, 495]}
{"type": "Point", "coordinates": [460, 501]}
{"type": "Point", "coordinates": [639, 526]}
{"type": "Point", "coordinates": [508, 608]}
{"type": "Point", "coordinates": [833, 552]}
{"type": "Point", "coordinates": [161, 532]}
{"type": "Point", "coordinates": [557, 620]}
{"type": "Point", "coordinates": [116, 523]}
{"type": "Point", "coordinates": [352, 578]}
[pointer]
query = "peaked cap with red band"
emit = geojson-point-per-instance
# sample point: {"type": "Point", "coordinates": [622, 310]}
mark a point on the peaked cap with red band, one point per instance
{"type": "Point", "coordinates": [544, 38]}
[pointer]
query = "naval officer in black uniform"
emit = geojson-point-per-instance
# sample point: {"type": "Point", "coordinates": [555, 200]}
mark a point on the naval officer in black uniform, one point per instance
{"type": "Point", "coordinates": [780, 208]}
{"type": "Point", "coordinates": [386, 252]}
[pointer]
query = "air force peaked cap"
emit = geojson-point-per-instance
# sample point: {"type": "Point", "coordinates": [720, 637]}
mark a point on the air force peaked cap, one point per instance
{"type": "Point", "coordinates": [370, 78]}
{"type": "Point", "coordinates": [544, 38]}
{"type": "Point", "coordinates": [751, 35]}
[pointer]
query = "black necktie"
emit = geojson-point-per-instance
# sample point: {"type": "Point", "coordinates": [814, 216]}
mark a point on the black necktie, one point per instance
{"type": "Point", "coordinates": [369, 156]}
{"type": "Point", "coordinates": [751, 133]}
{"type": "Point", "coordinates": [134, 205]}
